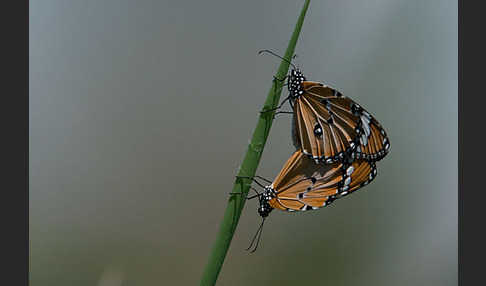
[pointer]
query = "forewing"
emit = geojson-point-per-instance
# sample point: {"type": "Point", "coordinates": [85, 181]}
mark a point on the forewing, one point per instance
{"type": "Point", "coordinates": [347, 128]}
{"type": "Point", "coordinates": [325, 126]}
{"type": "Point", "coordinates": [373, 141]}
{"type": "Point", "coordinates": [304, 185]}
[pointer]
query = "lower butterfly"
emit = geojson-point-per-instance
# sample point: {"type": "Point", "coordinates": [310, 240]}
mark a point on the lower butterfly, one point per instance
{"type": "Point", "coordinates": [303, 185]}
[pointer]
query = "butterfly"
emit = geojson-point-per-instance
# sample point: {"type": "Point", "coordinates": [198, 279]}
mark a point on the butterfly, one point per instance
{"type": "Point", "coordinates": [329, 127]}
{"type": "Point", "coordinates": [303, 185]}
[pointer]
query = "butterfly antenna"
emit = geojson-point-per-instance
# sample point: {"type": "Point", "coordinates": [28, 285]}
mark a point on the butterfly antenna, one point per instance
{"type": "Point", "coordinates": [274, 54]}
{"type": "Point", "coordinates": [256, 237]}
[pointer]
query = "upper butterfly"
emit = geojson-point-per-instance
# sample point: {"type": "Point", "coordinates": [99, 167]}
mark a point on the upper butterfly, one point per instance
{"type": "Point", "coordinates": [330, 127]}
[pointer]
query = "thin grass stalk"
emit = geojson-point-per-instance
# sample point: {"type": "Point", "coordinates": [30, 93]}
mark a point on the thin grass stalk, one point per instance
{"type": "Point", "coordinates": [249, 166]}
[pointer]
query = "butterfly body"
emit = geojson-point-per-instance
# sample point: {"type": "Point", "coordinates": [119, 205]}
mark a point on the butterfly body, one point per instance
{"type": "Point", "coordinates": [265, 208]}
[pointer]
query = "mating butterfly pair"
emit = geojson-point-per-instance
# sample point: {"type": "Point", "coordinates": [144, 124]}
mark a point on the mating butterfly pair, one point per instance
{"type": "Point", "coordinates": [337, 141]}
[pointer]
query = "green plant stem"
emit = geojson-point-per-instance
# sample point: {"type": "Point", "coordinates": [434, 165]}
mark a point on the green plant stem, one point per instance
{"type": "Point", "coordinates": [249, 166]}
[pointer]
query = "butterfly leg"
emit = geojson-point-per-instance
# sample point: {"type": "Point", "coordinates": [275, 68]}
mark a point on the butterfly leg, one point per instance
{"type": "Point", "coordinates": [255, 196]}
{"type": "Point", "coordinates": [278, 107]}
{"type": "Point", "coordinates": [282, 112]}
{"type": "Point", "coordinates": [247, 197]}
{"type": "Point", "coordinates": [275, 79]}
{"type": "Point", "coordinates": [262, 178]}
{"type": "Point", "coordinates": [253, 178]}
{"type": "Point", "coordinates": [258, 183]}
{"type": "Point", "coordinates": [280, 79]}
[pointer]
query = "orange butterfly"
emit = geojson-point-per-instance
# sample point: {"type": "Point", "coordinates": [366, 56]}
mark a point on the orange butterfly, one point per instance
{"type": "Point", "coordinates": [303, 185]}
{"type": "Point", "coordinates": [329, 127]}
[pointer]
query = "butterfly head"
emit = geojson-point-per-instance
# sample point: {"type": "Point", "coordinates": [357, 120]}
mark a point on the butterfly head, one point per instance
{"type": "Point", "coordinates": [265, 208]}
{"type": "Point", "coordinates": [294, 83]}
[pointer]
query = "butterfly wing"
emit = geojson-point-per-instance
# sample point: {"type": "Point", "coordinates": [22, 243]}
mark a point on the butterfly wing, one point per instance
{"type": "Point", "coordinates": [359, 174]}
{"type": "Point", "coordinates": [328, 126]}
{"type": "Point", "coordinates": [325, 127]}
{"type": "Point", "coordinates": [373, 141]}
{"type": "Point", "coordinates": [303, 185]}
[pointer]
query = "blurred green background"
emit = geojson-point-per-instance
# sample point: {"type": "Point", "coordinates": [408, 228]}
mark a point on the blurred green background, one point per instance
{"type": "Point", "coordinates": [141, 111]}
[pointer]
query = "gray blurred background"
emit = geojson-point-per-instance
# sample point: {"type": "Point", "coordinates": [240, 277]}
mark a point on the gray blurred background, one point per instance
{"type": "Point", "coordinates": [141, 111]}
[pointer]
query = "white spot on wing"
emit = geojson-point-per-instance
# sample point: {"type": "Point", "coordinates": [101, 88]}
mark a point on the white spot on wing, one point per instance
{"type": "Point", "coordinates": [366, 125]}
{"type": "Point", "coordinates": [364, 140]}
{"type": "Point", "coordinates": [347, 181]}
{"type": "Point", "coordinates": [350, 170]}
